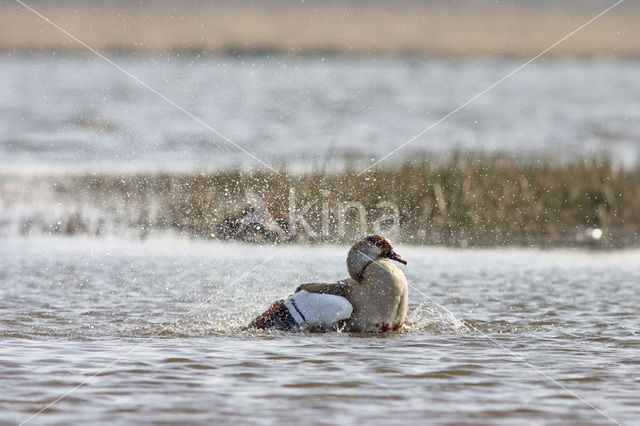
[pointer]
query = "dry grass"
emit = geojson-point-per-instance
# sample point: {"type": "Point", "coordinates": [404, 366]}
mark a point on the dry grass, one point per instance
{"type": "Point", "coordinates": [321, 27]}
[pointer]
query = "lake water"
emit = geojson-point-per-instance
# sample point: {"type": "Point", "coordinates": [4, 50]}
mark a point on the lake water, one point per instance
{"type": "Point", "coordinates": [154, 330]}
{"type": "Point", "coordinates": [77, 112]}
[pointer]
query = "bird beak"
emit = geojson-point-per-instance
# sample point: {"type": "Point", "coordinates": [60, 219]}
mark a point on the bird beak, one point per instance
{"type": "Point", "coordinates": [395, 256]}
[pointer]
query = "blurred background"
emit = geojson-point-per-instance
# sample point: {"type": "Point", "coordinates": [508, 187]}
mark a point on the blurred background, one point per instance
{"type": "Point", "coordinates": [295, 82]}
{"type": "Point", "coordinates": [317, 87]}
{"type": "Point", "coordinates": [423, 27]}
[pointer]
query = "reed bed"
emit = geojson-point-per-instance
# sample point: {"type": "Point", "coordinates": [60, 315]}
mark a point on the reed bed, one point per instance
{"type": "Point", "coordinates": [468, 200]}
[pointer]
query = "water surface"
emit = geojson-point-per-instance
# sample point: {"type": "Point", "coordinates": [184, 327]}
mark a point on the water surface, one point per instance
{"type": "Point", "coordinates": [77, 112]}
{"type": "Point", "coordinates": [161, 323]}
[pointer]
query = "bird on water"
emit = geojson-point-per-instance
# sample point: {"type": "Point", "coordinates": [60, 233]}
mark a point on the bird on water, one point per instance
{"type": "Point", "coordinates": [373, 299]}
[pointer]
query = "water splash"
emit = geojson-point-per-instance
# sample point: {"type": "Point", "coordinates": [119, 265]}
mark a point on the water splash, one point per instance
{"type": "Point", "coordinates": [428, 316]}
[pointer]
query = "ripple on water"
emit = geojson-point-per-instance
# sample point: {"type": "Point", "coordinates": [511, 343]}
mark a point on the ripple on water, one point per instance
{"type": "Point", "coordinates": [203, 368]}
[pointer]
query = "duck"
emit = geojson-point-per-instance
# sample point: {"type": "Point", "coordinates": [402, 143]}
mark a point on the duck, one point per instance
{"type": "Point", "coordinates": [373, 299]}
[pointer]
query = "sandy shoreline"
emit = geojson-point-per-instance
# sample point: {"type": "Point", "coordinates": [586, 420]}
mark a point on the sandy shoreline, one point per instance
{"type": "Point", "coordinates": [321, 28]}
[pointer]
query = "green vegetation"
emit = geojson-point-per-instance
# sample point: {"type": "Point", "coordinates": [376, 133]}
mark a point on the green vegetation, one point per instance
{"type": "Point", "coordinates": [467, 200]}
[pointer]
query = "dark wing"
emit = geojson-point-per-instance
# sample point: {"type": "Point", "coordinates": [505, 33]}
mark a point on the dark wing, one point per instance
{"type": "Point", "coordinates": [274, 317]}
{"type": "Point", "coordinates": [342, 288]}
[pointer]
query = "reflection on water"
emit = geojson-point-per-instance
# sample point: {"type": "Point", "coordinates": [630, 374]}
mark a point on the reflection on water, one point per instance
{"type": "Point", "coordinates": [72, 306]}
